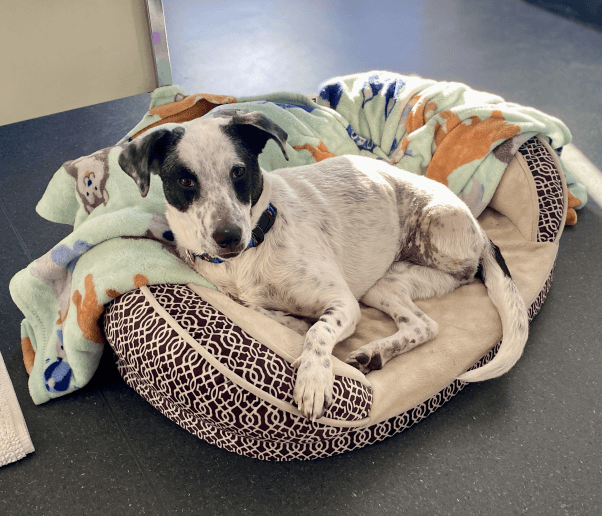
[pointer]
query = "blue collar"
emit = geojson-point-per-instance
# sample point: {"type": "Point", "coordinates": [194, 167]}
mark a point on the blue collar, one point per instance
{"type": "Point", "coordinates": [265, 223]}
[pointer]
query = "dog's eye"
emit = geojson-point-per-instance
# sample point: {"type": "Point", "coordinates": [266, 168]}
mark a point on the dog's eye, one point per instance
{"type": "Point", "coordinates": [186, 182]}
{"type": "Point", "coordinates": [237, 172]}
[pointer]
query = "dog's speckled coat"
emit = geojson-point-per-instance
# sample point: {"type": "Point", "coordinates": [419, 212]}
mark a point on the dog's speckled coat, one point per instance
{"type": "Point", "coordinates": [348, 228]}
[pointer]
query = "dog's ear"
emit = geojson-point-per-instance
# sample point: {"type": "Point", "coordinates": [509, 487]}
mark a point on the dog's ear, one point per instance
{"type": "Point", "coordinates": [255, 129]}
{"type": "Point", "coordinates": [145, 155]}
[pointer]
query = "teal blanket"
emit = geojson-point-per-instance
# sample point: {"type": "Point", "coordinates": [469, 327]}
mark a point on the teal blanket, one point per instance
{"type": "Point", "coordinates": [120, 241]}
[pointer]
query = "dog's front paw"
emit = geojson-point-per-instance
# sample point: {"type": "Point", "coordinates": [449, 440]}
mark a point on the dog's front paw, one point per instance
{"type": "Point", "coordinates": [314, 385]}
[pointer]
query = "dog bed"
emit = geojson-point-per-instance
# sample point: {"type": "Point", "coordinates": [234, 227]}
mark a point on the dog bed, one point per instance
{"type": "Point", "coordinates": [223, 372]}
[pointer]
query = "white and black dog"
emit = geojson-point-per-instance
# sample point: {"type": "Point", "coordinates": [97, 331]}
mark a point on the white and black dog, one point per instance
{"type": "Point", "coordinates": [313, 240]}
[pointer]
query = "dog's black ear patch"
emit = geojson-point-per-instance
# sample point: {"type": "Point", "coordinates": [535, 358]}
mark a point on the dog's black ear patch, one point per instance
{"type": "Point", "coordinates": [145, 156]}
{"type": "Point", "coordinates": [255, 129]}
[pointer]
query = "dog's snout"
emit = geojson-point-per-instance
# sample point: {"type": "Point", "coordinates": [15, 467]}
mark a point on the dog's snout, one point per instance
{"type": "Point", "coordinates": [227, 236]}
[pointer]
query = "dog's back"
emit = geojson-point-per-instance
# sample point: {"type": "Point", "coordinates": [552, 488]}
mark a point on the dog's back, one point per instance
{"type": "Point", "coordinates": [355, 210]}
{"type": "Point", "coordinates": [343, 213]}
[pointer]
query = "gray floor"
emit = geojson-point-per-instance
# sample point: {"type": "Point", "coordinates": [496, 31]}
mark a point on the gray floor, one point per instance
{"type": "Point", "coordinates": [529, 442]}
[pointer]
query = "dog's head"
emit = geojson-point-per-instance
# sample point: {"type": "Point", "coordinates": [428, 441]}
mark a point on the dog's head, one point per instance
{"type": "Point", "coordinates": [211, 177]}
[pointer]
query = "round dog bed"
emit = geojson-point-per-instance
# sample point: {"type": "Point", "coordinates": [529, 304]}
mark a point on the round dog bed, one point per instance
{"type": "Point", "coordinates": [223, 372]}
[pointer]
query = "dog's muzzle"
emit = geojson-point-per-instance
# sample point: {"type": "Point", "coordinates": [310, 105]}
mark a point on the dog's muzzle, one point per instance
{"type": "Point", "coordinates": [228, 237]}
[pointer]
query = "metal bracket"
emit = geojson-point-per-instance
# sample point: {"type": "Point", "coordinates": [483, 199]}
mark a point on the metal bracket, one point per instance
{"type": "Point", "coordinates": [156, 23]}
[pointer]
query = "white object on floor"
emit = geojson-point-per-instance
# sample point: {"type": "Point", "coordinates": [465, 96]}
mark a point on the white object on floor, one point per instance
{"type": "Point", "coordinates": [15, 441]}
{"type": "Point", "coordinates": [584, 170]}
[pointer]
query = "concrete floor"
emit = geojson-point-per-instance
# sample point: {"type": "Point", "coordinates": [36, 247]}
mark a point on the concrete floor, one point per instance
{"type": "Point", "coordinates": [529, 442]}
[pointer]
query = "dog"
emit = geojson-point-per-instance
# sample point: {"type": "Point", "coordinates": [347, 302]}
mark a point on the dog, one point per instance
{"type": "Point", "coordinates": [314, 240]}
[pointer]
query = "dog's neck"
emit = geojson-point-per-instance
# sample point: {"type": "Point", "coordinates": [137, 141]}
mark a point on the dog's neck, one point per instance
{"type": "Point", "coordinates": [263, 213]}
{"type": "Point", "coordinates": [264, 199]}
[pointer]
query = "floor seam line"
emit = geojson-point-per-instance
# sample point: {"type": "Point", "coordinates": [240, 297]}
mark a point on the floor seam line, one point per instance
{"type": "Point", "coordinates": [10, 222]}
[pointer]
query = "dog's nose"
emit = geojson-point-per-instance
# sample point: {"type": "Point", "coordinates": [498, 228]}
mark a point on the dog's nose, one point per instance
{"type": "Point", "coordinates": [227, 236]}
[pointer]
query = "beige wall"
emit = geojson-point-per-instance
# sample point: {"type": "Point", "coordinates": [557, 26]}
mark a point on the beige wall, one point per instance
{"type": "Point", "coordinates": [57, 55]}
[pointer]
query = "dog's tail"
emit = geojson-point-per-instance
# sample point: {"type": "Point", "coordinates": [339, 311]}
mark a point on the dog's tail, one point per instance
{"type": "Point", "coordinates": [515, 323]}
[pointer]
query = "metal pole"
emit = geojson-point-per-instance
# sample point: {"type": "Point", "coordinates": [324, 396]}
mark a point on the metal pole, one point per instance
{"type": "Point", "coordinates": [156, 23]}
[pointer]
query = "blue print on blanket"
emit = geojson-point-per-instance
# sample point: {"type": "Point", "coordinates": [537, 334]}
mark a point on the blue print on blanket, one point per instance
{"type": "Point", "coordinates": [392, 91]}
{"type": "Point", "coordinates": [558, 150]}
{"type": "Point", "coordinates": [405, 113]}
{"type": "Point", "coordinates": [57, 376]}
{"type": "Point", "coordinates": [309, 109]}
{"type": "Point", "coordinates": [371, 88]}
{"type": "Point", "coordinates": [332, 94]}
{"type": "Point", "coordinates": [67, 256]}
{"type": "Point", "coordinates": [361, 142]}
{"type": "Point", "coordinates": [388, 88]}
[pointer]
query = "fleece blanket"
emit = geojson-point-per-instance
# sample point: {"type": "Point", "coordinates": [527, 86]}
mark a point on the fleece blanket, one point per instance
{"type": "Point", "coordinates": [120, 241]}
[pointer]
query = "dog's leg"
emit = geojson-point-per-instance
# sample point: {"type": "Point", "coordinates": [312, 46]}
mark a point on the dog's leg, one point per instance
{"type": "Point", "coordinates": [393, 294]}
{"type": "Point", "coordinates": [298, 325]}
{"type": "Point", "coordinates": [313, 388]}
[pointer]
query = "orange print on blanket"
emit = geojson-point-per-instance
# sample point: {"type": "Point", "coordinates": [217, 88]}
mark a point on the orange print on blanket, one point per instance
{"type": "Point", "coordinates": [29, 354]}
{"type": "Point", "coordinates": [421, 113]}
{"type": "Point", "coordinates": [459, 143]}
{"type": "Point", "coordinates": [571, 214]}
{"type": "Point", "coordinates": [320, 153]}
{"type": "Point", "coordinates": [89, 311]}
{"type": "Point", "coordinates": [189, 108]}
{"type": "Point", "coordinates": [62, 317]}
{"type": "Point", "coordinates": [111, 292]}
{"type": "Point", "coordinates": [139, 281]}
{"type": "Point", "coordinates": [404, 144]}
{"type": "Point", "coordinates": [207, 100]}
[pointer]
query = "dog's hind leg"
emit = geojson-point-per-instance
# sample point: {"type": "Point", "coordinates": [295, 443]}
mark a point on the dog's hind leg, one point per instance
{"type": "Point", "coordinates": [394, 294]}
{"type": "Point", "coordinates": [298, 325]}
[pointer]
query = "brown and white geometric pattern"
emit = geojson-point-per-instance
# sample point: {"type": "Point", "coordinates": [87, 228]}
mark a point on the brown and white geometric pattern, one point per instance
{"type": "Point", "coordinates": [166, 371]}
{"type": "Point", "coordinates": [548, 184]}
